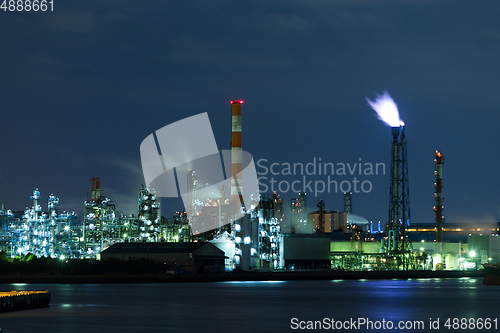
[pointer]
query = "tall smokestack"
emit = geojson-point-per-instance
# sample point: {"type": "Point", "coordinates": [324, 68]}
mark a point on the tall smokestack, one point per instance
{"type": "Point", "coordinates": [438, 208]}
{"type": "Point", "coordinates": [242, 225]}
{"type": "Point", "coordinates": [236, 156]}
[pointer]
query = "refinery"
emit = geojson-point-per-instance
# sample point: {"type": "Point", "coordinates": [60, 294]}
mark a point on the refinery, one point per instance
{"type": "Point", "coordinates": [259, 235]}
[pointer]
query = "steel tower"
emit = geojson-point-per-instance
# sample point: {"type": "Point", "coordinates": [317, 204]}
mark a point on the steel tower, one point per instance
{"type": "Point", "coordinates": [399, 196]}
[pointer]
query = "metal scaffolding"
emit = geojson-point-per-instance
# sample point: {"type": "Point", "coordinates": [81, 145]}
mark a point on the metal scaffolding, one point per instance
{"type": "Point", "coordinates": [270, 214]}
{"type": "Point", "coordinates": [149, 215]}
{"type": "Point", "coordinates": [399, 197]}
{"type": "Point", "coordinates": [40, 234]}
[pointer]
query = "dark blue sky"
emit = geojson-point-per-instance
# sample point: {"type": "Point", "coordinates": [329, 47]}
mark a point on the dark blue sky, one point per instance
{"type": "Point", "coordinates": [82, 86]}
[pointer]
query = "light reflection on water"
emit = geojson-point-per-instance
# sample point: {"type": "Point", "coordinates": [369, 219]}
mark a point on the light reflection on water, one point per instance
{"type": "Point", "coordinates": [266, 306]}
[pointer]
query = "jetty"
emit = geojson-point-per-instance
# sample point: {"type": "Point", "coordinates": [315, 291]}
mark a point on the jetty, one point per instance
{"type": "Point", "coordinates": [22, 300]}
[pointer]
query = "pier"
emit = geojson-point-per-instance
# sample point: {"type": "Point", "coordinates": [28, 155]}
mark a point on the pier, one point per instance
{"type": "Point", "coordinates": [21, 300]}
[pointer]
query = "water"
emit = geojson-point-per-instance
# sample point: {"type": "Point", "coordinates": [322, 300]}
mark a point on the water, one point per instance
{"type": "Point", "coordinates": [251, 306]}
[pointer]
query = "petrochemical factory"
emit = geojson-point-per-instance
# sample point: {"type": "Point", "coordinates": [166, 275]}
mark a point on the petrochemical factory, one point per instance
{"type": "Point", "coordinates": [252, 237]}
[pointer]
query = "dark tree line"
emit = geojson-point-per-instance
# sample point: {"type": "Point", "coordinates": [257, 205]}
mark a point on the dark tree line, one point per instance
{"type": "Point", "coordinates": [30, 264]}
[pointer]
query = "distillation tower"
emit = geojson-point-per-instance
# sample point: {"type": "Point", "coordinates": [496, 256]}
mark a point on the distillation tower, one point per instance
{"type": "Point", "coordinates": [148, 209]}
{"type": "Point", "coordinates": [99, 225]}
{"type": "Point", "coordinates": [50, 235]}
{"type": "Point", "coordinates": [269, 213]}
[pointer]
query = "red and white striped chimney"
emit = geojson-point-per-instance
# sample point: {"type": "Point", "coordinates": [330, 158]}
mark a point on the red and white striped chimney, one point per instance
{"type": "Point", "coordinates": [236, 154]}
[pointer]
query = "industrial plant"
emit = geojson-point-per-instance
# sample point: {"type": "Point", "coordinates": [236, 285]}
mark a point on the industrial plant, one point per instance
{"type": "Point", "coordinates": [253, 237]}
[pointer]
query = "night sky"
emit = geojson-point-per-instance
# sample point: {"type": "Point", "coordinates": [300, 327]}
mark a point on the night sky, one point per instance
{"type": "Point", "coordinates": [82, 86]}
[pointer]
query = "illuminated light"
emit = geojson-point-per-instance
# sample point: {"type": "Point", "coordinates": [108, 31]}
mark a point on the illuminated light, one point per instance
{"type": "Point", "coordinates": [237, 227]}
{"type": "Point", "coordinates": [472, 254]}
{"type": "Point", "coordinates": [422, 249]}
{"type": "Point", "coordinates": [62, 257]}
{"type": "Point", "coordinates": [386, 109]}
{"type": "Point", "coordinates": [247, 240]}
{"type": "Point", "coordinates": [237, 240]}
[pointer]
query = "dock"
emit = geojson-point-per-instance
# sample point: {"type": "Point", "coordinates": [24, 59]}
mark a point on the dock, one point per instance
{"type": "Point", "coordinates": [21, 300]}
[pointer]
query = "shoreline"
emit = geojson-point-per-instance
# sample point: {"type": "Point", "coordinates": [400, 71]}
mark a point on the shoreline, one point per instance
{"type": "Point", "coordinates": [242, 276]}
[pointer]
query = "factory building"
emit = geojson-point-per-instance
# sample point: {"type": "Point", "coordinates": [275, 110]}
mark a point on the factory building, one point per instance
{"type": "Point", "coordinates": [334, 221]}
{"type": "Point", "coordinates": [300, 251]}
{"type": "Point", "coordinates": [192, 257]}
{"type": "Point", "coordinates": [484, 249]}
{"type": "Point", "coordinates": [463, 247]}
{"type": "Point", "coordinates": [328, 221]}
